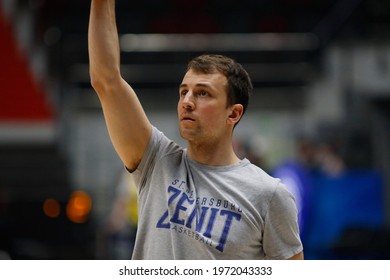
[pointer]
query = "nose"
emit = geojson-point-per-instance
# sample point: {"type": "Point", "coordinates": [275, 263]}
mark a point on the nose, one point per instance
{"type": "Point", "coordinates": [188, 101]}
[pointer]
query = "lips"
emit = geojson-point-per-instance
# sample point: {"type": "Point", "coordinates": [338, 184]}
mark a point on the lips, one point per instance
{"type": "Point", "coordinates": [186, 117]}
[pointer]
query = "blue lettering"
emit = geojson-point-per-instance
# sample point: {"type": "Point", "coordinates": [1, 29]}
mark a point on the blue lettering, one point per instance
{"type": "Point", "coordinates": [175, 182]}
{"type": "Point", "coordinates": [175, 194]}
{"type": "Point", "coordinates": [229, 219]}
{"type": "Point", "coordinates": [180, 207]}
{"type": "Point", "coordinates": [210, 224]}
{"type": "Point", "coordinates": [198, 221]}
{"type": "Point", "coordinates": [197, 218]}
{"type": "Point", "coordinates": [182, 182]}
{"type": "Point", "coordinates": [161, 222]}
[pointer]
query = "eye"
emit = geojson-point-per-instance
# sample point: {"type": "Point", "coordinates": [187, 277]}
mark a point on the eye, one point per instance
{"type": "Point", "coordinates": [203, 93]}
{"type": "Point", "coordinates": [183, 92]}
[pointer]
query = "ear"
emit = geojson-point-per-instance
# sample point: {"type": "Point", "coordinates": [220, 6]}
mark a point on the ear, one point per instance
{"type": "Point", "coordinates": [235, 114]}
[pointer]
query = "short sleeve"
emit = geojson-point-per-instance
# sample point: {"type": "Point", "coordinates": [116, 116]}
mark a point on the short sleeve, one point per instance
{"type": "Point", "coordinates": [281, 238]}
{"type": "Point", "coordinates": [159, 145]}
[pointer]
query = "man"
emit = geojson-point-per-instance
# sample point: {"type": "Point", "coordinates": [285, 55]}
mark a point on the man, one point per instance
{"type": "Point", "coordinates": [202, 202]}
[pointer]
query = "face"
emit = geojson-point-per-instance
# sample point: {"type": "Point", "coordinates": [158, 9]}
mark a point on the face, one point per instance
{"type": "Point", "coordinates": [202, 108]}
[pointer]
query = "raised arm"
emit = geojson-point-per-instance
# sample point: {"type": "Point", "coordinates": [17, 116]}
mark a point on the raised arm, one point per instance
{"type": "Point", "coordinates": [127, 123]}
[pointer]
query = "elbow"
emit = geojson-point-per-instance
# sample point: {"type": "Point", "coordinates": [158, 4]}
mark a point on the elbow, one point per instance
{"type": "Point", "coordinates": [102, 83]}
{"type": "Point", "coordinates": [96, 83]}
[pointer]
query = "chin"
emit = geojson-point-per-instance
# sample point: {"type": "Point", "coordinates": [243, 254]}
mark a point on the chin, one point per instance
{"type": "Point", "coordinates": [187, 134]}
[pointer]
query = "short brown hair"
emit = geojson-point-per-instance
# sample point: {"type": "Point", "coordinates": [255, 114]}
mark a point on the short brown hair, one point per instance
{"type": "Point", "coordinates": [240, 86]}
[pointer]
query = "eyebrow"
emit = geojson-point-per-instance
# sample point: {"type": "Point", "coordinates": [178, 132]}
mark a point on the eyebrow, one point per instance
{"type": "Point", "coordinates": [206, 85]}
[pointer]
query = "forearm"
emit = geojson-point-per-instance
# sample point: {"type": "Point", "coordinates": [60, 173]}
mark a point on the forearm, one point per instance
{"type": "Point", "coordinates": [103, 44]}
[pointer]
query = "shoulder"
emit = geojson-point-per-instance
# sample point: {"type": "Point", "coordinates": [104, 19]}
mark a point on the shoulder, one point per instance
{"type": "Point", "coordinates": [257, 176]}
{"type": "Point", "coordinates": [270, 188]}
{"type": "Point", "coordinates": [161, 155]}
{"type": "Point", "coordinates": [161, 143]}
{"type": "Point", "coordinates": [158, 148]}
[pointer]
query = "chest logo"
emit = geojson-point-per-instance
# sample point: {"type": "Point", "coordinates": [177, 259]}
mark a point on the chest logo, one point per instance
{"type": "Point", "coordinates": [186, 215]}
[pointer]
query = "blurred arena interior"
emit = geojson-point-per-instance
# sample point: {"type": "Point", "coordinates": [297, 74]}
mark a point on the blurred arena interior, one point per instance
{"type": "Point", "coordinates": [321, 72]}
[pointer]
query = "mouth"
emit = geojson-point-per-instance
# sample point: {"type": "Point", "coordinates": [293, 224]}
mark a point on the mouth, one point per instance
{"type": "Point", "coordinates": [187, 118]}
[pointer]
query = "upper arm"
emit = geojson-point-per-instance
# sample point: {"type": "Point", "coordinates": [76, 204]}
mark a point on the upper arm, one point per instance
{"type": "Point", "coordinates": [127, 123]}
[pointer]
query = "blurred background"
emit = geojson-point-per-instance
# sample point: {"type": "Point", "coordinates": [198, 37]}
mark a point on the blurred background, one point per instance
{"type": "Point", "coordinates": [319, 118]}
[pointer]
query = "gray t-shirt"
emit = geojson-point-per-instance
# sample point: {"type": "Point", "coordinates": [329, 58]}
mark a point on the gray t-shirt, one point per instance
{"type": "Point", "coordinates": [188, 210]}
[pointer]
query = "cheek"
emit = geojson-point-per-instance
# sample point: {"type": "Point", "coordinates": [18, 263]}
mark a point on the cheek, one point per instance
{"type": "Point", "coordinates": [213, 117]}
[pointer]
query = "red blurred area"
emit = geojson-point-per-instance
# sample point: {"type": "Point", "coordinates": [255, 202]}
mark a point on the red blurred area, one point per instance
{"type": "Point", "coordinates": [21, 97]}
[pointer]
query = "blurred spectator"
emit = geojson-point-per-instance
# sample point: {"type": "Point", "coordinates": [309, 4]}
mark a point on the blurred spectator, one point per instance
{"type": "Point", "coordinates": [306, 152]}
{"type": "Point", "coordinates": [333, 198]}
{"type": "Point", "coordinates": [254, 149]}
{"type": "Point", "coordinates": [122, 221]}
{"type": "Point", "coordinates": [296, 174]}
{"type": "Point", "coordinates": [329, 160]}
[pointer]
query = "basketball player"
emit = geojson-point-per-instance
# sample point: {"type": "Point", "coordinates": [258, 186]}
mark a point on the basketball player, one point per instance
{"type": "Point", "coordinates": [199, 202]}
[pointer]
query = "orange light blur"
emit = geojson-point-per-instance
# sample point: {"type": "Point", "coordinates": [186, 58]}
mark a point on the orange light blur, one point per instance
{"type": "Point", "coordinates": [51, 208]}
{"type": "Point", "coordinates": [78, 207]}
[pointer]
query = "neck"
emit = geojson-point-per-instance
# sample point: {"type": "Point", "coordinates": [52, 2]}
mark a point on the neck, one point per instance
{"type": "Point", "coordinates": [220, 154]}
